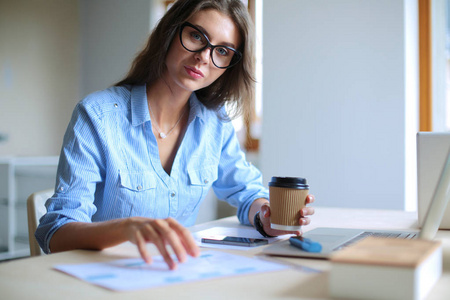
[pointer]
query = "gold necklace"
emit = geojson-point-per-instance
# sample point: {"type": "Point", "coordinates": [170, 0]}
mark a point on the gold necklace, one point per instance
{"type": "Point", "coordinates": [161, 134]}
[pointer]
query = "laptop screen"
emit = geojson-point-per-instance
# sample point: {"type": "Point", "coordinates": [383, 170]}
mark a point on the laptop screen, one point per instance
{"type": "Point", "coordinates": [433, 174]}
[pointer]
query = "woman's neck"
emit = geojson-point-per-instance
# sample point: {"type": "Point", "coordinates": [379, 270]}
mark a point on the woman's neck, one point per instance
{"type": "Point", "coordinates": [165, 105]}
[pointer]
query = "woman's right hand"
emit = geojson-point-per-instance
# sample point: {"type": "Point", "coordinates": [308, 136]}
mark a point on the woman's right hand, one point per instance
{"type": "Point", "coordinates": [162, 233]}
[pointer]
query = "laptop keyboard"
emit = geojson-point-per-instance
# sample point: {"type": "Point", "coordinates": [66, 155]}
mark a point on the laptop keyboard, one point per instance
{"type": "Point", "coordinates": [376, 234]}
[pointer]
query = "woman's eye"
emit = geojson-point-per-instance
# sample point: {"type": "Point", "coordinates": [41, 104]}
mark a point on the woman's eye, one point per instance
{"type": "Point", "coordinates": [197, 36]}
{"type": "Point", "coordinates": [222, 51]}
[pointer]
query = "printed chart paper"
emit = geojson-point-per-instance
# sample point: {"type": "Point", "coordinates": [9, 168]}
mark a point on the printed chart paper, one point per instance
{"type": "Point", "coordinates": [134, 274]}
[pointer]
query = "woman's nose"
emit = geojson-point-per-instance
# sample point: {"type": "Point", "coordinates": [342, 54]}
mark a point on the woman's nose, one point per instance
{"type": "Point", "coordinates": [204, 55]}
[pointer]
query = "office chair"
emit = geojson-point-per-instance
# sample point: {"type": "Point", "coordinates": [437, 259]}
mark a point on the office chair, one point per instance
{"type": "Point", "coordinates": [35, 210]}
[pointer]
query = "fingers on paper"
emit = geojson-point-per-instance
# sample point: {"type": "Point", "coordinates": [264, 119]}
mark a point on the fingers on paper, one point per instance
{"type": "Point", "coordinates": [163, 233]}
{"type": "Point", "coordinates": [163, 236]}
{"type": "Point", "coordinates": [142, 248]}
{"type": "Point", "coordinates": [186, 237]}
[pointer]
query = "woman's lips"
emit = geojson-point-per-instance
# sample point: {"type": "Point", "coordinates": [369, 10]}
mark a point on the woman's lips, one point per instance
{"type": "Point", "coordinates": [193, 72]}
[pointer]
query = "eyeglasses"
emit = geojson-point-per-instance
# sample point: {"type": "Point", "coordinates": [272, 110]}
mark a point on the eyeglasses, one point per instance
{"type": "Point", "coordinates": [194, 40]}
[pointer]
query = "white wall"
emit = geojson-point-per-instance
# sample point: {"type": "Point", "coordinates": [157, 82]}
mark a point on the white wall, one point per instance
{"type": "Point", "coordinates": [52, 54]}
{"type": "Point", "coordinates": [39, 83]}
{"type": "Point", "coordinates": [336, 104]}
{"type": "Point", "coordinates": [112, 31]}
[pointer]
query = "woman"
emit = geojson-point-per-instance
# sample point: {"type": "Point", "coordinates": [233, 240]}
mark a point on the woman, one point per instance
{"type": "Point", "coordinates": [139, 157]}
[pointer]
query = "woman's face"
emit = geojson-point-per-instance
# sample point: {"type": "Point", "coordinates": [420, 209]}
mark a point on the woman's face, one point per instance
{"type": "Point", "coordinates": [191, 71]}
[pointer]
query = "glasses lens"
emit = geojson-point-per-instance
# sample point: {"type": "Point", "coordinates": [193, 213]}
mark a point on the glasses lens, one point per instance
{"type": "Point", "coordinates": [194, 40]}
{"type": "Point", "coordinates": [222, 56]}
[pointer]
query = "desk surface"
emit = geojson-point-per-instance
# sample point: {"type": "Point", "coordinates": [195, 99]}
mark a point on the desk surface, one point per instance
{"type": "Point", "coordinates": [34, 278]}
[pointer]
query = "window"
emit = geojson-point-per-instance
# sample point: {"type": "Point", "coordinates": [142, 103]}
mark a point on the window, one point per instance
{"type": "Point", "coordinates": [434, 28]}
{"type": "Point", "coordinates": [447, 63]}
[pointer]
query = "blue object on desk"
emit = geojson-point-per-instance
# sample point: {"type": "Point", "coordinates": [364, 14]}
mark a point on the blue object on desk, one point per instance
{"type": "Point", "coordinates": [305, 244]}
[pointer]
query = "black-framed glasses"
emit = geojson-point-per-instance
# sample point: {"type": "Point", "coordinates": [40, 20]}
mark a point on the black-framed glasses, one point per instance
{"type": "Point", "coordinates": [194, 40]}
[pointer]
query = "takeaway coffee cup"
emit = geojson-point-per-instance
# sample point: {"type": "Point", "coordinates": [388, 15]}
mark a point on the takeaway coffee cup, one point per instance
{"type": "Point", "coordinates": [287, 197]}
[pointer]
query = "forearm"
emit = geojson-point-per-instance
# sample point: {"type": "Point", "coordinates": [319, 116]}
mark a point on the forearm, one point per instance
{"type": "Point", "coordinates": [255, 207]}
{"type": "Point", "coordinates": [95, 236]}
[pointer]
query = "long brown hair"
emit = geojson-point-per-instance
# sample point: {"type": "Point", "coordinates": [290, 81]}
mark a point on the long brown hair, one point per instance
{"type": "Point", "coordinates": [235, 87]}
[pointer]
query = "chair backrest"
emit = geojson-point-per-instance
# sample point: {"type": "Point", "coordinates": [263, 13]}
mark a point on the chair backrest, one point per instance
{"type": "Point", "coordinates": [35, 210]}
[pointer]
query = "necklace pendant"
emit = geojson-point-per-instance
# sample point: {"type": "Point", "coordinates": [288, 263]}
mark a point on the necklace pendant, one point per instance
{"type": "Point", "coordinates": [162, 135]}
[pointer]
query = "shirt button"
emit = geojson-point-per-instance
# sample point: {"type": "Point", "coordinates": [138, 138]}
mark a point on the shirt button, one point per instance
{"type": "Point", "coordinates": [115, 105]}
{"type": "Point", "coordinates": [172, 194]}
{"type": "Point", "coordinates": [139, 187]}
{"type": "Point", "coordinates": [61, 189]}
{"type": "Point", "coordinates": [206, 181]}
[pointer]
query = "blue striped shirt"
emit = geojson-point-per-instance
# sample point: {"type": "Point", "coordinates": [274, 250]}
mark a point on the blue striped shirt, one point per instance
{"type": "Point", "coordinates": [109, 165]}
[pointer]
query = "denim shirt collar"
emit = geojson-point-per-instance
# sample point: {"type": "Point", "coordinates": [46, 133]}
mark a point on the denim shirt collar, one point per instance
{"type": "Point", "coordinates": [197, 108]}
{"type": "Point", "coordinates": [139, 106]}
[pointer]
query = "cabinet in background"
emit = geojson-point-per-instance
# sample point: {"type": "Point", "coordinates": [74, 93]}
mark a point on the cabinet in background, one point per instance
{"type": "Point", "coordinates": [19, 178]}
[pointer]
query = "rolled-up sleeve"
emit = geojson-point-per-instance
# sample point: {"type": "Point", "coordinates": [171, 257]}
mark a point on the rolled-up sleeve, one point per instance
{"type": "Point", "coordinates": [239, 182]}
{"type": "Point", "coordinates": [80, 168]}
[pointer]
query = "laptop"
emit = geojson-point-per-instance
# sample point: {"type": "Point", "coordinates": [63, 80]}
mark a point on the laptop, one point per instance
{"type": "Point", "coordinates": [432, 151]}
{"type": "Point", "coordinates": [334, 239]}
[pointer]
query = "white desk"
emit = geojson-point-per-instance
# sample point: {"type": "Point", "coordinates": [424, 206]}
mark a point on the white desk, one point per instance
{"type": "Point", "coordinates": [34, 278]}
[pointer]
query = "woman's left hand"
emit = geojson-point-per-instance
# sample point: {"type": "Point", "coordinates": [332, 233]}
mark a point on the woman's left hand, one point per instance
{"type": "Point", "coordinates": [304, 219]}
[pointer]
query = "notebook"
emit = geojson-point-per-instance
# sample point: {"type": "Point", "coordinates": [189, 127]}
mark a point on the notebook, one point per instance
{"type": "Point", "coordinates": [334, 239]}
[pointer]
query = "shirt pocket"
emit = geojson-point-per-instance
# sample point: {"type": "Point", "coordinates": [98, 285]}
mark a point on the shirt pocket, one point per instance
{"type": "Point", "coordinates": [200, 181]}
{"type": "Point", "coordinates": [137, 192]}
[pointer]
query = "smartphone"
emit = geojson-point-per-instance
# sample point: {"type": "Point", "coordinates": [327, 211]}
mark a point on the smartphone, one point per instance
{"type": "Point", "coordinates": [235, 241]}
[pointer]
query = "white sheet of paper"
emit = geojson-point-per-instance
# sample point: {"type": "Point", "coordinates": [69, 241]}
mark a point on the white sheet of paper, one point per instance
{"type": "Point", "coordinates": [241, 232]}
{"type": "Point", "coordinates": [134, 273]}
